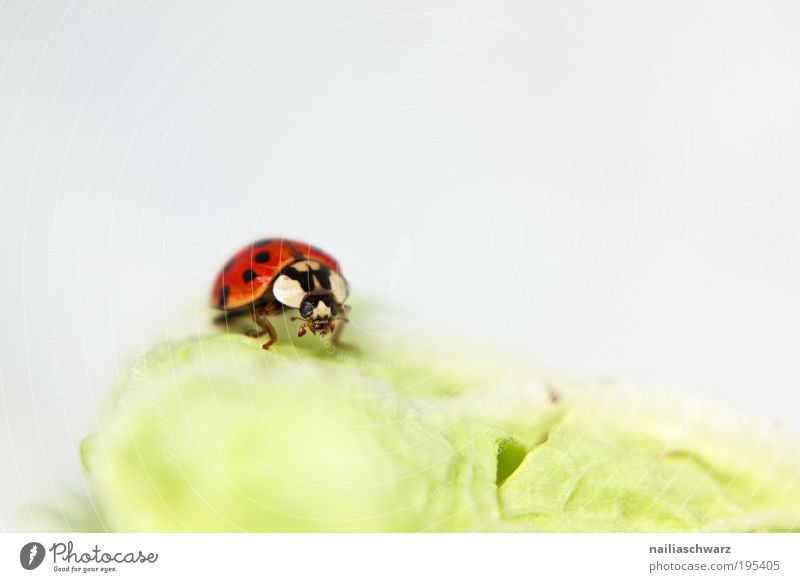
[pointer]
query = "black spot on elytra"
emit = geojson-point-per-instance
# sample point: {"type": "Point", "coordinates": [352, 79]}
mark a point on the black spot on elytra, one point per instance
{"type": "Point", "coordinates": [305, 278]}
{"type": "Point", "coordinates": [249, 275]}
{"type": "Point", "coordinates": [223, 296]}
{"type": "Point", "coordinates": [261, 257]}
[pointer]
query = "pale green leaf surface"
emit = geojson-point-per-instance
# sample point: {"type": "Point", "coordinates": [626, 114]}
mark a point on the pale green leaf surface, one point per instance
{"type": "Point", "coordinates": [215, 434]}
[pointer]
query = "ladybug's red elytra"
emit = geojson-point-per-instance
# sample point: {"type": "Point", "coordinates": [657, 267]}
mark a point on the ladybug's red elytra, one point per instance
{"type": "Point", "coordinates": [274, 274]}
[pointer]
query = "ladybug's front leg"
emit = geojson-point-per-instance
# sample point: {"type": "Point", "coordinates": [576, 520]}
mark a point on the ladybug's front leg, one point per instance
{"type": "Point", "coordinates": [337, 332]}
{"type": "Point", "coordinates": [261, 317]}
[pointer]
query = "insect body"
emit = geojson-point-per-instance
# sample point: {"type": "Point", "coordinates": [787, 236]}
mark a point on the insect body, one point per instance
{"type": "Point", "coordinates": [274, 274]}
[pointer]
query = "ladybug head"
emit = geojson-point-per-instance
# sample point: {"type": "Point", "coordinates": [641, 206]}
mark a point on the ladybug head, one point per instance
{"type": "Point", "coordinates": [318, 312]}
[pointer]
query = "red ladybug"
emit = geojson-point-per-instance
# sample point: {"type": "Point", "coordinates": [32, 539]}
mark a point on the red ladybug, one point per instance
{"type": "Point", "coordinates": [277, 273]}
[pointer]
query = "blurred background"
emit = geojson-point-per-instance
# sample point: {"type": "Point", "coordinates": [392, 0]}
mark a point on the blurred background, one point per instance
{"type": "Point", "coordinates": [610, 190]}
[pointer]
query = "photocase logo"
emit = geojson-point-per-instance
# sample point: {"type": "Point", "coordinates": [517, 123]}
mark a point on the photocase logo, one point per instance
{"type": "Point", "coordinates": [68, 558]}
{"type": "Point", "coordinates": [31, 555]}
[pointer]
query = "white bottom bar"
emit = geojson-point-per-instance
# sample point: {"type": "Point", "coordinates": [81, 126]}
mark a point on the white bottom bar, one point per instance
{"type": "Point", "coordinates": [494, 557]}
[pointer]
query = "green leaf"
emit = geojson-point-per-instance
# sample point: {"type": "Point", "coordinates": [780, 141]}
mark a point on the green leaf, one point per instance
{"type": "Point", "coordinates": [216, 434]}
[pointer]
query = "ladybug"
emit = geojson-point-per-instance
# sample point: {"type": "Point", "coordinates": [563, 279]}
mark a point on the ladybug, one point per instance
{"type": "Point", "coordinates": [274, 274]}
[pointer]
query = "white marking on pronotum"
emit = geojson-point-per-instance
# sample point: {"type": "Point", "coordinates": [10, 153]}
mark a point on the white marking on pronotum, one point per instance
{"type": "Point", "coordinates": [305, 266]}
{"type": "Point", "coordinates": [338, 287]}
{"type": "Point", "coordinates": [289, 291]}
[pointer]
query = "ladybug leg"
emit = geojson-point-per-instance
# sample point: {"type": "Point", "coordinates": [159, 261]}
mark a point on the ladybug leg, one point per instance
{"type": "Point", "coordinates": [336, 342]}
{"type": "Point", "coordinates": [346, 309]}
{"type": "Point", "coordinates": [261, 317]}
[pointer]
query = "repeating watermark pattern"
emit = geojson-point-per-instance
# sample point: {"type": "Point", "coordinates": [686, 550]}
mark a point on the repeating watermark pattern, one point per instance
{"type": "Point", "coordinates": [10, 134]}
{"type": "Point", "coordinates": [183, 53]}
{"type": "Point", "coordinates": [508, 100]}
{"type": "Point", "coordinates": [100, 8]}
{"type": "Point", "coordinates": [355, 359]}
{"type": "Point", "coordinates": [138, 376]}
{"type": "Point", "coordinates": [458, 17]}
{"type": "Point", "coordinates": [314, 174]}
{"type": "Point", "coordinates": [463, 478]}
{"type": "Point", "coordinates": [681, 124]}
{"type": "Point", "coordinates": [401, 257]}
{"type": "Point", "coordinates": [572, 24]}
{"type": "Point", "coordinates": [65, 558]}
{"type": "Point", "coordinates": [53, 340]}
{"type": "Point", "coordinates": [200, 224]}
